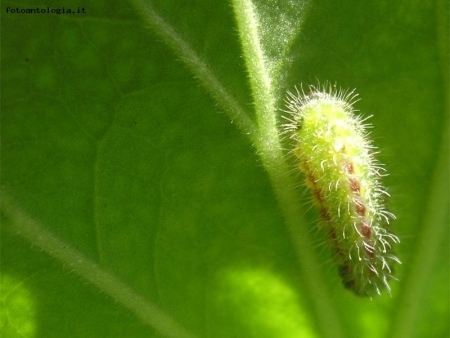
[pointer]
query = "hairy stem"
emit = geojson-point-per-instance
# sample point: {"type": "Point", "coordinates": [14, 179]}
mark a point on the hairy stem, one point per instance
{"type": "Point", "coordinates": [270, 149]}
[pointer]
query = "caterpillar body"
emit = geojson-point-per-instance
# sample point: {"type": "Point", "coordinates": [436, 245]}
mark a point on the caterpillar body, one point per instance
{"type": "Point", "coordinates": [337, 159]}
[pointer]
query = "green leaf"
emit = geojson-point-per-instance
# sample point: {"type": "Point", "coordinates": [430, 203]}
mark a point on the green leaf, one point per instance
{"type": "Point", "coordinates": [147, 191]}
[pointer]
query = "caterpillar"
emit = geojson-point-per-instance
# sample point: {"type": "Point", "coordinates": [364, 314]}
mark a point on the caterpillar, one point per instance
{"type": "Point", "coordinates": [337, 159]}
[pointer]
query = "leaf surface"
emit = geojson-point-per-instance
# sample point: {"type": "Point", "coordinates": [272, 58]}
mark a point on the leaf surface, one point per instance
{"type": "Point", "coordinates": [146, 191]}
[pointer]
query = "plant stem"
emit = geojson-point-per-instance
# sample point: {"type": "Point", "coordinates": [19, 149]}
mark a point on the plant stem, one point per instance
{"type": "Point", "coordinates": [270, 149]}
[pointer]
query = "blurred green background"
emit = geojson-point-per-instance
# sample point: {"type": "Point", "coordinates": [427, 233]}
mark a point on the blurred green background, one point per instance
{"type": "Point", "coordinates": [110, 143]}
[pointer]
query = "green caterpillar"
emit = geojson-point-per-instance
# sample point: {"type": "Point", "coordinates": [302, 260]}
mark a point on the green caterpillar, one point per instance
{"type": "Point", "coordinates": [337, 159]}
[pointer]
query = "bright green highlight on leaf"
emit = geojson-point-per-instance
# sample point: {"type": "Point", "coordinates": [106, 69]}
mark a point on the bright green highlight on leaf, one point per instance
{"type": "Point", "coordinates": [17, 308]}
{"type": "Point", "coordinates": [267, 306]}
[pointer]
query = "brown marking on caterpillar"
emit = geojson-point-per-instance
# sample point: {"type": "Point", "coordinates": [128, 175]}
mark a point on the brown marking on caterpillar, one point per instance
{"type": "Point", "coordinates": [348, 168]}
{"type": "Point", "coordinates": [318, 196]}
{"type": "Point", "coordinates": [370, 253]}
{"type": "Point", "coordinates": [354, 185]}
{"type": "Point", "coordinates": [325, 214]}
{"type": "Point", "coordinates": [366, 230]}
{"type": "Point", "coordinates": [312, 183]}
{"type": "Point", "coordinates": [360, 208]}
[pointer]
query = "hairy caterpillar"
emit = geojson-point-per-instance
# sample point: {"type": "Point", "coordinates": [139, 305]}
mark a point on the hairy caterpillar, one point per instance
{"type": "Point", "coordinates": [337, 159]}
